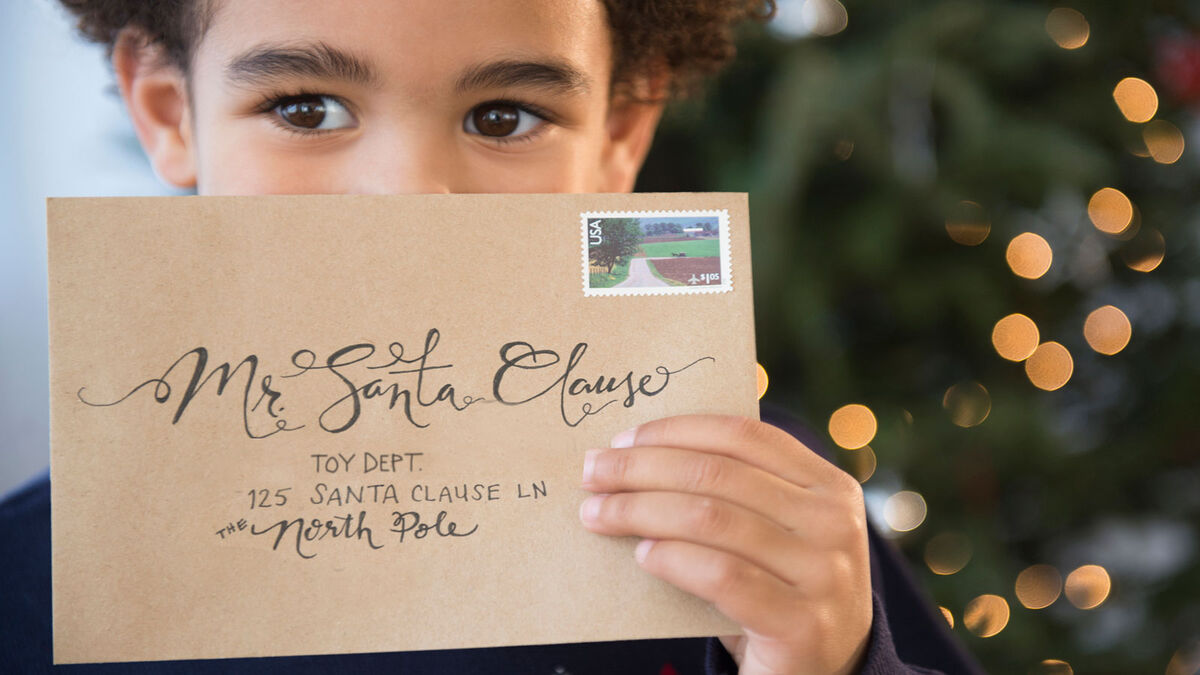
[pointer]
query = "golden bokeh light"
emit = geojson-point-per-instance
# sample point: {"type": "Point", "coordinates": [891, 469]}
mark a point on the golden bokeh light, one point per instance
{"type": "Point", "coordinates": [1145, 252]}
{"type": "Point", "coordinates": [1088, 586]}
{"type": "Point", "coordinates": [1136, 99]}
{"type": "Point", "coordinates": [1050, 366]}
{"type": "Point", "coordinates": [1015, 337]}
{"type": "Point", "coordinates": [986, 615]}
{"type": "Point", "coordinates": [1107, 330]}
{"type": "Point", "coordinates": [1067, 27]}
{"type": "Point", "coordinates": [1135, 226]}
{"type": "Point", "coordinates": [1029, 255]}
{"type": "Point", "coordinates": [843, 149]}
{"type": "Point", "coordinates": [968, 404]}
{"type": "Point", "coordinates": [1053, 667]}
{"type": "Point", "coordinates": [1038, 586]}
{"type": "Point", "coordinates": [1110, 210]}
{"type": "Point", "coordinates": [861, 463]}
{"type": "Point", "coordinates": [947, 615]}
{"type": "Point", "coordinates": [762, 379]}
{"type": "Point", "coordinates": [1164, 141]}
{"type": "Point", "coordinates": [852, 426]}
{"type": "Point", "coordinates": [905, 511]}
{"type": "Point", "coordinates": [967, 224]}
{"type": "Point", "coordinates": [1185, 662]}
{"type": "Point", "coordinates": [948, 553]}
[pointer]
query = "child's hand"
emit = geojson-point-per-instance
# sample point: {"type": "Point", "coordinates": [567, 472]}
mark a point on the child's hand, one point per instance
{"type": "Point", "coordinates": [741, 514]}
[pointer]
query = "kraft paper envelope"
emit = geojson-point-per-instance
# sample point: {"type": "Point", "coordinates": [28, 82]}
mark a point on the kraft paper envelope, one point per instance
{"type": "Point", "coordinates": [324, 424]}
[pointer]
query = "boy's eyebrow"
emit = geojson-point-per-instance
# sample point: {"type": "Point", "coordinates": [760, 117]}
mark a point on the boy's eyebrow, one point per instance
{"type": "Point", "coordinates": [319, 60]}
{"type": "Point", "coordinates": [555, 75]}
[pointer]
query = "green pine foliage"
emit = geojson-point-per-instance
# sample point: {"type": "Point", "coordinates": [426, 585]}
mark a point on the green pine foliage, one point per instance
{"type": "Point", "coordinates": [856, 149]}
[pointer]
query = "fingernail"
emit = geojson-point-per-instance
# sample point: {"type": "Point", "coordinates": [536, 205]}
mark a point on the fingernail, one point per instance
{"type": "Point", "coordinates": [589, 510]}
{"type": "Point", "coordinates": [643, 549]}
{"type": "Point", "coordinates": [589, 465]}
{"type": "Point", "coordinates": [624, 439]}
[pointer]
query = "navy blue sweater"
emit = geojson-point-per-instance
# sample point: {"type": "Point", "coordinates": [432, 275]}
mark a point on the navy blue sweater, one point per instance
{"type": "Point", "coordinates": [906, 636]}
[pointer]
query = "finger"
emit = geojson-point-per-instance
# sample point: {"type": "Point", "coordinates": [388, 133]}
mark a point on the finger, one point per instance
{"type": "Point", "coordinates": [735, 645]}
{"type": "Point", "coordinates": [645, 469]}
{"type": "Point", "coordinates": [759, 444]}
{"type": "Point", "coordinates": [713, 523]}
{"type": "Point", "coordinates": [759, 601]}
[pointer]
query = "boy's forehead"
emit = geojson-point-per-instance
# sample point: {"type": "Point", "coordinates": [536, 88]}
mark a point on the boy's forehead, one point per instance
{"type": "Point", "coordinates": [422, 41]}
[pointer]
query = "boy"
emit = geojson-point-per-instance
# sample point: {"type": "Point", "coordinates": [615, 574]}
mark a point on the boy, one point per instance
{"type": "Point", "coordinates": [382, 96]}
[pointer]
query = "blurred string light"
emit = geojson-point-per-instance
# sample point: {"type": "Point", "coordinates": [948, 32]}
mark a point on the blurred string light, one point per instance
{"type": "Point", "coordinates": [947, 615]}
{"type": "Point", "coordinates": [1015, 337]}
{"type": "Point", "coordinates": [843, 149]}
{"type": "Point", "coordinates": [1135, 226]}
{"type": "Point", "coordinates": [1110, 210]}
{"type": "Point", "coordinates": [1038, 586]}
{"type": "Point", "coordinates": [1164, 141]}
{"type": "Point", "coordinates": [1088, 586]}
{"type": "Point", "coordinates": [1050, 366]}
{"type": "Point", "coordinates": [1107, 330]}
{"type": "Point", "coordinates": [1028, 255]}
{"type": "Point", "coordinates": [762, 379]}
{"type": "Point", "coordinates": [803, 18]}
{"type": "Point", "coordinates": [1186, 661]}
{"type": "Point", "coordinates": [1144, 253]}
{"type": "Point", "coordinates": [967, 224]}
{"type": "Point", "coordinates": [1136, 99]}
{"type": "Point", "coordinates": [852, 426]}
{"type": "Point", "coordinates": [1138, 150]}
{"type": "Point", "coordinates": [905, 511]}
{"type": "Point", "coordinates": [1053, 667]}
{"type": "Point", "coordinates": [861, 463]}
{"type": "Point", "coordinates": [1067, 27]}
{"type": "Point", "coordinates": [968, 404]}
{"type": "Point", "coordinates": [986, 615]}
{"type": "Point", "coordinates": [948, 553]}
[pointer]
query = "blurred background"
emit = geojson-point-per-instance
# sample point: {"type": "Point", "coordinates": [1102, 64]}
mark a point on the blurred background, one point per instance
{"type": "Point", "coordinates": [976, 233]}
{"type": "Point", "coordinates": [65, 133]}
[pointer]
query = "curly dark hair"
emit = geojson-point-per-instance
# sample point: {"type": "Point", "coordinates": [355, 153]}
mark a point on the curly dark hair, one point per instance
{"type": "Point", "coordinates": [690, 39]}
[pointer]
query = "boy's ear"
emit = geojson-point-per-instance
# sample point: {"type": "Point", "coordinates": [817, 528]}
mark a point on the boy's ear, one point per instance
{"type": "Point", "coordinates": [630, 127]}
{"type": "Point", "coordinates": [156, 95]}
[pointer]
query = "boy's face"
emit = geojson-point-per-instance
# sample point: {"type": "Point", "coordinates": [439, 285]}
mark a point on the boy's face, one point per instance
{"type": "Point", "coordinates": [387, 96]}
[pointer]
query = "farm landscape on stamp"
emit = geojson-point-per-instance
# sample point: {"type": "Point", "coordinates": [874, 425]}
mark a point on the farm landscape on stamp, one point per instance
{"type": "Point", "coordinates": [649, 252]}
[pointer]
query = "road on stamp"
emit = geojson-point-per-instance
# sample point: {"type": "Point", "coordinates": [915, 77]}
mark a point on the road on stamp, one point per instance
{"type": "Point", "coordinates": [640, 275]}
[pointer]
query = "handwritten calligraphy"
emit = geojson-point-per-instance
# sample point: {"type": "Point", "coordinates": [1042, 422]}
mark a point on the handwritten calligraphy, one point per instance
{"type": "Point", "coordinates": [366, 376]}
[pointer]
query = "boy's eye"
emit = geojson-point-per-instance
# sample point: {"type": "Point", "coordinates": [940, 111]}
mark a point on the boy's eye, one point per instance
{"type": "Point", "coordinates": [500, 120]}
{"type": "Point", "coordinates": [312, 111]}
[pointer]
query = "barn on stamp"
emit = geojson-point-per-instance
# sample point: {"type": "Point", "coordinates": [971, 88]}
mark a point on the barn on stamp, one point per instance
{"type": "Point", "coordinates": [665, 252]}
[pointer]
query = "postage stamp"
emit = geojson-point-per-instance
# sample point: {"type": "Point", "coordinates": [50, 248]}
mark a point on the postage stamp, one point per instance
{"type": "Point", "coordinates": [655, 252]}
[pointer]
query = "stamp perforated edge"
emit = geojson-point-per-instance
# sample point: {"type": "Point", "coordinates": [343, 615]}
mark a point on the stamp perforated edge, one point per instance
{"type": "Point", "coordinates": [722, 215]}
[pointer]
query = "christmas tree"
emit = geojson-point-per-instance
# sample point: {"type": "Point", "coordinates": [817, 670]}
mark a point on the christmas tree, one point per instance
{"type": "Point", "coordinates": [976, 233]}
